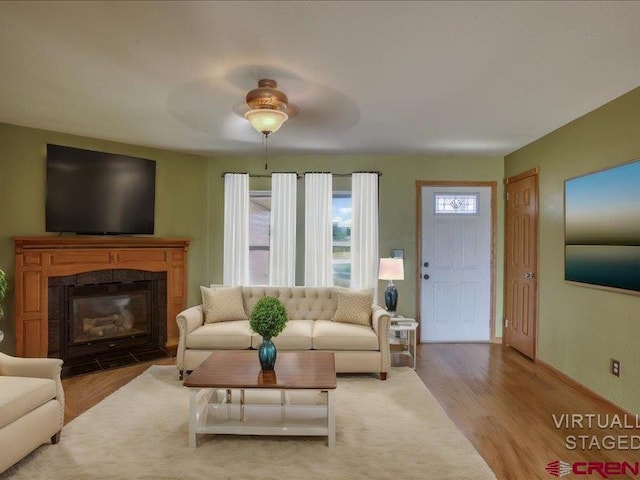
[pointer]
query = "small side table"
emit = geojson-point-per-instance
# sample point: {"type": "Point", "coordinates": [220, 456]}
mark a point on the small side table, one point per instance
{"type": "Point", "coordinates": [408, 325]}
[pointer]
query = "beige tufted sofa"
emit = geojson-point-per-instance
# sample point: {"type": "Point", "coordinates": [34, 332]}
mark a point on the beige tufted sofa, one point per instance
{"type": "Point", "coordinates": [31, 405]}
{"type": "Point", "coordinates": [358, 348]}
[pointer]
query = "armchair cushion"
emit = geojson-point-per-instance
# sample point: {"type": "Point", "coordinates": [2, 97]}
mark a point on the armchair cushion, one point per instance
{"type": "Point", "coordinates": [222, 304]}
{"type": "Point", "coordinates": [20, 395]}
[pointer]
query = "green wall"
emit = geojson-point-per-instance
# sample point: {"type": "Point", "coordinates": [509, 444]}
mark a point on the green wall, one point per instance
{"type": "Point", "coordinates": [181, 193]}
{"type": "Point", "coordinates": [190, 194]}
{"type": "Point", "coordinates": [397, 190]}
{"type": "Point", "coordinates": [579, 328]}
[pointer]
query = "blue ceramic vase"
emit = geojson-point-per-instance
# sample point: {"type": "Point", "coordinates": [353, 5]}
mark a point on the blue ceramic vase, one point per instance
{"type": "Point", "coordinates": [267, 354]}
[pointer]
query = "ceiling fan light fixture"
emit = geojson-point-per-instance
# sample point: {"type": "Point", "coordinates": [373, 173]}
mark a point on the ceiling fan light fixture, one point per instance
{"type": "Point", "coordinates": [266, 120]}
{"type": "Point", "coordinates": [268, 106]}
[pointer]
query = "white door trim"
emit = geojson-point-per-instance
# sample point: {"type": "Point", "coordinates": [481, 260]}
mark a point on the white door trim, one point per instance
{"type": "Point", "coordinates": [418, 273]}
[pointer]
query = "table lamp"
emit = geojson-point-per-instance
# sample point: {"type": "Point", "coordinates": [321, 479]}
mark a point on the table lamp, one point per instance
{"type": "Point", "coordinates": [391, 269]}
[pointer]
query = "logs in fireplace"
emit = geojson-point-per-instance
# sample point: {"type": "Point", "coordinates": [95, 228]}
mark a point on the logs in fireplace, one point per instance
{"type": "Point", "coordinates": [106, 318]}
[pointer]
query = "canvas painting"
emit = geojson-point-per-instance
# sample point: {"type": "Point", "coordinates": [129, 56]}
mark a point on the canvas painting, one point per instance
{"type": "Point", "coordinates": [602, 228]}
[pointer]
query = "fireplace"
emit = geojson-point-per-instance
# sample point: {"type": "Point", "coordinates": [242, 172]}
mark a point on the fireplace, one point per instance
{"type": "Point", "coordinates": [106, 318]}
{"type": "Point", "coordinates": [39, 259]}
{"type": "Point", "coordinates": [100, 317]}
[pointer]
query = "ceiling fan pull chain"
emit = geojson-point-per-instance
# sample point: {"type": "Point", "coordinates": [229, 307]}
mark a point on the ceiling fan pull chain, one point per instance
{"type": "Point", "coordinates": [266, 148]}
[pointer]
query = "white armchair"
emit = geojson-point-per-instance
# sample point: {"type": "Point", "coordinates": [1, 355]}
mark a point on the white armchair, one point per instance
{"type": "Point", "coordinates": [31, 406]}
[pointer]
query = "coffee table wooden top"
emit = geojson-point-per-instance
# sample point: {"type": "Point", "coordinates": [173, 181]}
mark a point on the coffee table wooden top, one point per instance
{"type": "Point", "coordinates": [241, 369]}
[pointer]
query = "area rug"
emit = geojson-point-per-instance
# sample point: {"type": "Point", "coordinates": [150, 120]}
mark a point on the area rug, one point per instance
{"type": "Point", "coordinates": [385, 430]}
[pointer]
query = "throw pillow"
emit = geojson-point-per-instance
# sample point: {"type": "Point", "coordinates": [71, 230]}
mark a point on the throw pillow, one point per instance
{"type": "Point", "coordinates": [222, 304]}
{"type": "Point", "coordinates": [354, 306]}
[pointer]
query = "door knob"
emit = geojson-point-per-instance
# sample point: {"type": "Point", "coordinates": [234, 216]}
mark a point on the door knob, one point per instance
{"type": "Point", "coordinates": [425, 264]}
{"type": "Point", "coordinates": [529, 275]}
{"type": "Point", "coordinates": [425, 276]}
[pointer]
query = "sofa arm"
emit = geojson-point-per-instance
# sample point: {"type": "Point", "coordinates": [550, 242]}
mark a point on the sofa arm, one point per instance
{"type": "Point", "coordinates": [380, 321]}
{"type": "Point", "coordinates": [188, 320]}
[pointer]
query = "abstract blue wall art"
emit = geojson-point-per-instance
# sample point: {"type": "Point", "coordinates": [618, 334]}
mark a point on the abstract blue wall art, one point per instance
{"type": "Point", "coordinates": [602, 228]}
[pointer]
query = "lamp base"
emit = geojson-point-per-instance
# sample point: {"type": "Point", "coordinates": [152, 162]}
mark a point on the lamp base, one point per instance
{"type": "Point", "coordinates": [391, 299]}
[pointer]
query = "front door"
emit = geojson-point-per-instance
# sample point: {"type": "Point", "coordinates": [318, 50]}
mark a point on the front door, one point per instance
{"type": "Point", "coordinates": [521, 249]}
{"type": "Point", "coordinates": [455, 273]}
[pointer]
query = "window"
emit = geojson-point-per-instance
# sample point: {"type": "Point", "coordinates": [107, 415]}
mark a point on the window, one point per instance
{"type": "Point", "coordinates": [260, 229]}
{"type": "Point", "coordinates": [456, 203]}
{"type": "Point", "coordinates": [259, 233]}
{"type": "Point", "coordinates": [341, 214]}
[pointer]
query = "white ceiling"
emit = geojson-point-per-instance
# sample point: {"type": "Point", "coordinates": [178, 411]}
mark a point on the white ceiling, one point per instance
{"type": "Point", "coordinates": [471, 78]}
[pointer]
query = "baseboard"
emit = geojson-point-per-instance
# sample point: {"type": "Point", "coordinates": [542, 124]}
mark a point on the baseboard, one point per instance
{"type": "Point", "coordinates": [581, 388]}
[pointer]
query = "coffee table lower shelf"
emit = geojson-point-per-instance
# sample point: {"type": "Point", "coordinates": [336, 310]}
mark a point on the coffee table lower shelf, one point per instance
{"type": "Point", "coordinates": [262, 412]}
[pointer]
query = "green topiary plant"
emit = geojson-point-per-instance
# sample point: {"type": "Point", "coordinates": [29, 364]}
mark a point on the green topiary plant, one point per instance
{"type": "Point", "coordinates": [268, 317]}
{"type": "Point", "coordinates": [4, 288]}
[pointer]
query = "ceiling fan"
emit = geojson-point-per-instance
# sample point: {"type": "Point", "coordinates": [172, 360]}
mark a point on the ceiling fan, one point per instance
{"type": "Point", "coordinates": [216, 106]}
{"type": "Point", "coordinates": [314, 114]}
{"type": "Point", "coordinates": [268, 107]}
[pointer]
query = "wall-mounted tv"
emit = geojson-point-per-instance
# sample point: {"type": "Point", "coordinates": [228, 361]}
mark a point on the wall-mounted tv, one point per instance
{"type": "Point", "coordinates": [602, 228]}
{"type": "Point", "coordinates": [99, 193]}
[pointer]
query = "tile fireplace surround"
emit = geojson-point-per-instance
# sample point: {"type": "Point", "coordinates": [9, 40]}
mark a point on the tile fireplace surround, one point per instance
{"type": "Point", "coordinates": [38, 258]}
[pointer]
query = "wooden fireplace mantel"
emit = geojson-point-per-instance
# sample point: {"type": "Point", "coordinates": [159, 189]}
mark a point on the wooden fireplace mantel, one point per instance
{"type": "Point", "coordinates": [38, 258]}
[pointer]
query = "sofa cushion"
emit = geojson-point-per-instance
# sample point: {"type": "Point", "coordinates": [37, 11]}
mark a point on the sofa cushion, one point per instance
{"type": "Point", "coordinates": [329, 335]}
{"type": "Point", "coordinates": [222, 304]}
{"type": "Point", "coordinates": [221, 335]}
{"type": "Point", "coordinates": [20, 395]}
{"type": "Point", "coordinates": [354, 306]}
{"type": "Point", "coordinates": [295, 336]}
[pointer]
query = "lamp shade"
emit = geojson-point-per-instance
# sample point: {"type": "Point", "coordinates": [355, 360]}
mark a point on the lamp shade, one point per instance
{"type": "Point", "coordinates": [391, 269]}
{"type": "Point", "coordinates": [266, 120]}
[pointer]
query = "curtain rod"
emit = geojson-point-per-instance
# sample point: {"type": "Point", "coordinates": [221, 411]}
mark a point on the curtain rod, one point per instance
{"type": "Point", "coordinates": [301, 175]}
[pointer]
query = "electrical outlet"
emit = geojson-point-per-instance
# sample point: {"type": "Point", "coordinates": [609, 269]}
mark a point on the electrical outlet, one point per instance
{"type": "Point", "coordinates": [615, 367]}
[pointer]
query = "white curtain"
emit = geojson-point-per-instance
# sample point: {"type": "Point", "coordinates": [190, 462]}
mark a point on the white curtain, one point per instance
{"type": "Point", "coordinates": [235, 266]}
{"type": "Point", "coordinates": [318, 230]}
{"type": "Point", "coordinates": [282, 257]}
{"type": "Point", "coordinates": [364, 231]}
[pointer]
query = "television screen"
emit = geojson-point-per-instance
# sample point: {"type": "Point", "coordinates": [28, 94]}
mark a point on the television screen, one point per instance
{"type": "Point", "coordinates": [99, 193]}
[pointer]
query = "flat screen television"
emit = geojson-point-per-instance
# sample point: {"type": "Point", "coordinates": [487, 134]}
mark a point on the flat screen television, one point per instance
{"type": "Point", "coordinates": [99, 193]}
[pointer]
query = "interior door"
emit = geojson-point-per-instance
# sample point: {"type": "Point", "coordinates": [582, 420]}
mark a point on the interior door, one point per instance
{"type": "Point", "coordinates": [521, 251]}
{"type": "Point", "coordinates": [456, 239]}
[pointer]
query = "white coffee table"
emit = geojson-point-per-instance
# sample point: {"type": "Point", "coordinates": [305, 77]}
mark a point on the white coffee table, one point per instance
{"type": "Point", "coordinates": [230, 394]}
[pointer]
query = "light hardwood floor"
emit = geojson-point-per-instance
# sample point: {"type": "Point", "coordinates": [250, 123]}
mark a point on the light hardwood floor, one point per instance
{"type": "Point", "coordinates": [501, 401]}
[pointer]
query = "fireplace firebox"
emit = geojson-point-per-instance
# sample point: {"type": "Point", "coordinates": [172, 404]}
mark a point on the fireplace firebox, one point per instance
{"type": "Point", "coordinates": [105, 318]}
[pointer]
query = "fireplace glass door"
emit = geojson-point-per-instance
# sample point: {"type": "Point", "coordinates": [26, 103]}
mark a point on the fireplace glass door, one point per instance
{"type": "Point", "coordinates": [98, 318]}
{"type": "Point", "coordinates": [109, 313]}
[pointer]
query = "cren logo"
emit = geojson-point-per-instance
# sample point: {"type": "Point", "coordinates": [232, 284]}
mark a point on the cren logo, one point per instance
{"type": "Point", "coordinates": [604, 469]}
{"type": "Point", "coordinates": [558, 468]}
